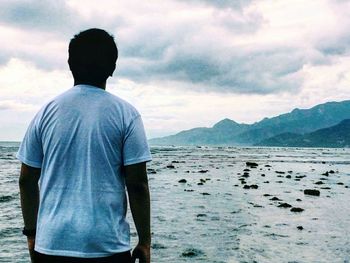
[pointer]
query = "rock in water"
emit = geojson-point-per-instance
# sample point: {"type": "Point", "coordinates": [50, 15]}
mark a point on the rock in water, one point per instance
{"type": "Point", "coordinates": [284, 205]}
{"type": "Point", "coordinates": [183, 181]}
{"type": "Point", "coordinates": [300, 227]}
{"type": "Point", "coordinates": [319, 182]}
{"type": "Point", "coordinates": [170, 166]}
{"type": "Point", "coordinates": [296, 209]}
{"type": "Point", "coordinates": [254, 186]}
{"type": "Point", "coordinates": [192, 252]}
{"type": "Point", "coordinates": [251, 164]}
{"type": "Point", "coordinates": [313, 192]}
{"type": "Point", "coordinates": [275, 199]}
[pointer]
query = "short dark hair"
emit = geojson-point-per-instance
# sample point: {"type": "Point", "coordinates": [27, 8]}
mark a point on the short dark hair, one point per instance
{"type": "Point", "coordinates": [92, 56]}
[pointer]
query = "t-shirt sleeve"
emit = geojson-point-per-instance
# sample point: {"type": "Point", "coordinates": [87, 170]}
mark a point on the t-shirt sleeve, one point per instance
{"type": "Point", "coordinates": [135, 147]}
{"type": "Point", "coordinates": [30, 151]}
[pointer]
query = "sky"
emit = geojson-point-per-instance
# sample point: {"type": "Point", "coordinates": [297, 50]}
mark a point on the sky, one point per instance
{"type": "Point", "coordinates": [182, 63]}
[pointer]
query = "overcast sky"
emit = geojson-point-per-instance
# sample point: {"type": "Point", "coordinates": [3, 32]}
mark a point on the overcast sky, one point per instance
{"type": "Point", "coordinates": [183, 64]}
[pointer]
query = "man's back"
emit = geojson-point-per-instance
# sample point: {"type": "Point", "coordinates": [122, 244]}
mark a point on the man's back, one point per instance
{"type": "Point", "coordinates": [84, 138]}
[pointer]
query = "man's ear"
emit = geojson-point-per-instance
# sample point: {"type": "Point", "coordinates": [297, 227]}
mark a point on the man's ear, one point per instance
{"type": "Point", "coordinates": [69, 64]}
{"type": "Point", "coordinates": [112, 70]}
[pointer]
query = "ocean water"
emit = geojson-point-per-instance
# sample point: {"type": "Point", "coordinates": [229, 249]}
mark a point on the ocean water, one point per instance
{"type": "Point", "coordinates": [212, 216]}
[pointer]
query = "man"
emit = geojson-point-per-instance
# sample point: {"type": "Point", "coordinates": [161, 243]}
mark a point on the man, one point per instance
{"type": "Point", "coordinates": [81, 150]}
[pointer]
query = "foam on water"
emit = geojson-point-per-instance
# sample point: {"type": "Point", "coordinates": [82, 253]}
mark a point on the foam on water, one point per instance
{"type": "Point", "coordinates": [212, 218]}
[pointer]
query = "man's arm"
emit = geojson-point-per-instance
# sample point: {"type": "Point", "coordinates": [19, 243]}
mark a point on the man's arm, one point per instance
{"type": "Point", "coordinates": [139, 199]}
{"type": "Point", "coordinates": [29, 191]}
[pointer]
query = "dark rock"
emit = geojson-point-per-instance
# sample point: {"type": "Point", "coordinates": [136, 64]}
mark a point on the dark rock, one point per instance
{"type": "Point", "coordinates": [251, 164]}
{"type": "Point", "coordinates": [340, 183]}
{"type": "Point", "coordinates": [151, 171]}
{"type": "Point", "coordinates": [6, 198]}
{"type": "Point", "coordinates": [254, 186]}
{"type": "Point", "coordinates": [199, 183]}
{"type": "Point", "coordinates": [205, 193]}
{"type": "Point", "coordinates": [246, 170]}
{"type": "Point", "coordinates": [263, 175]}
{"type": "Point", "coordinates": [170, 166]}
{"type": "Point", "coordinates": [279, 172]}
{"type": "Point", "coordinates": [296, 209]}
{"type": "Point", "coordinates": [192, 252]}
{"type": "Point", "coordinates": [326, 188]}
{"type": "Point", "coordinates": [266, 182]}
{"type": "Point", "coordinates": [326, 174]}
{"type": "Point", "coordinates": [299, 200]}
{"type": "Point", "coordinates": [202, 180]}
{"type": "Point", "coordinates": [246, 187]}
{"type": "Point", "coordinates": [300, 227]}
{"type": "Point", "coordinates": [183, 181]}
{"type": "Point", "coordinates": [267, 165]}
{"type": "Point", "coordinates": [312, 192]}
{"type": "Point", "coordinates": [331, 172]}
{"type": "Point", "coordinates": [266, 195]}
{"type": "Point", "coordinates": [175, 162]}
{"type": "Point", "coordinates": [279, 182]}
{"type": "Point", "coordinates": [288, 176]}
{"type": "Point", "coordinates": [319, 182]}
{"type": "Point", "coordinates": [275, 199]}
{"type": "Point", "coordinates": [158, 246]}
{"type": "Point", "coordinates": [203, 171]}
{"type": "Point", "coordinates": [201, 215]}
{"type": "Point", "coordinates": [284, 205]}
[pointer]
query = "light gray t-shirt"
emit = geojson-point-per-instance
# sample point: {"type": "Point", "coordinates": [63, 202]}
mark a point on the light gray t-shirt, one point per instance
{"type": "Point", "coordinates": [81, 140]}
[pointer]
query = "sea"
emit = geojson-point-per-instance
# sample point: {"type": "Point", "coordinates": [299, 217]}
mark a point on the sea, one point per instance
{"type": "Point", "coordinates": [225, 204]}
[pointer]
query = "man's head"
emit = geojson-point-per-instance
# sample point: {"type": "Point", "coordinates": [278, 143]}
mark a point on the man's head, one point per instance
{"type": "Point", "coordinates": [92, 56]}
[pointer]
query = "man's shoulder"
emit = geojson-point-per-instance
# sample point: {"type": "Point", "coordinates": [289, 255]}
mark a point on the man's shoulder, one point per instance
{"type": "Point", "coordinates": [122, 104]}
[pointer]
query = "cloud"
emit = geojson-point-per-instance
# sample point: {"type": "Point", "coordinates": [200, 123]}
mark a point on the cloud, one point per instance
{"type": "Point", "coordinates": [16, 106]}
{"type": "Point", "coordinates": [237, 4]}
{"type": "Point", "coordinates": [243, 46]}
{"type": "Point", "coordinates": [37, 15]}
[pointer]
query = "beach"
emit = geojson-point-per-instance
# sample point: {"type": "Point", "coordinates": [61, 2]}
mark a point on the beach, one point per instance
{"type": "Point", "coordinates": [226, 204]}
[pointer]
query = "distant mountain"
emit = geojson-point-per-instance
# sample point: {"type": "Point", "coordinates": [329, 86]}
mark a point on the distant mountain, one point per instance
{"type": "Point", "coordinates": [229, 132]}
{"type": "Point", "coordinates": [335, 136]}
{"type": "Point", "coordinates": [223, 132]}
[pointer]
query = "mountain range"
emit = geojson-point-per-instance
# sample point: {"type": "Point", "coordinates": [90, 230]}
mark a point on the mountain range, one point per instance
{"type": "Point", "coordinates": [324, 125]}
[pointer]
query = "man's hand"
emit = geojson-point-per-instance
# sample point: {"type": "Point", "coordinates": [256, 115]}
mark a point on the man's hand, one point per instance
{"type": "Point", "coordinates": [31, 244]}
{"type": "Point", "coordinates": [143, 253]}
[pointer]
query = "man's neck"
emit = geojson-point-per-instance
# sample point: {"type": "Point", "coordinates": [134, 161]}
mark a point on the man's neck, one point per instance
{"type": "Point", "coordinates": [97, 85]}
